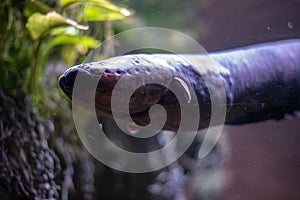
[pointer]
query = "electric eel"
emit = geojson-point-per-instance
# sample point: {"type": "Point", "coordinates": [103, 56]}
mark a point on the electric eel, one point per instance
{"type": "Point", "coordinates": [260, 81]}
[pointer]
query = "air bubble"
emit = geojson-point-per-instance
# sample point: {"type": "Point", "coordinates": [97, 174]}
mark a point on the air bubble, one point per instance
{"type": "Point", "coordinates": [290, 25]}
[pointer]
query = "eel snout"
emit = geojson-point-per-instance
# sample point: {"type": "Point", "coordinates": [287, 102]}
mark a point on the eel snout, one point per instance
{"type": "Point", "coordinates": [66, 81]}
{"type": "Point", "coordinates": [106, 79]}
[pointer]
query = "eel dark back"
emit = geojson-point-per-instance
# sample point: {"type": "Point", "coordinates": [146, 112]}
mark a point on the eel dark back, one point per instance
{"type": "Point", "coordinates": [261, 81]}
{"type": "Point", "coordinates": [265, 81]}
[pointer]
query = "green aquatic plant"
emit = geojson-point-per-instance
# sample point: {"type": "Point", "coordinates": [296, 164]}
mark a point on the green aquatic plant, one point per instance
{"type": "Point", "coordinates": [32, 31]}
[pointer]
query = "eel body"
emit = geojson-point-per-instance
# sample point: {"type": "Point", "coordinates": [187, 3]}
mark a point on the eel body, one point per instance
{"type": "Point", "coordinates": [261, 82]}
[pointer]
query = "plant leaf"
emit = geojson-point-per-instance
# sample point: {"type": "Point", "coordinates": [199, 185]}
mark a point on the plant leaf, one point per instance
{"type": "Point", "coordinates": [32, 6]}
{"type": "Point", "coordinates": [94, 12]}
{"type": "Point", "coordinates": [99, 10]}
{"type": "Point", "coordinates": [39, 24]}
{"type": "Point", "coordinates": [68, 30]}
{"type": "Point", "coordinates": [86, 41]}
{"type": "Point", "coordinates": [103, 3]}
{"type": "Point", "coordinates": [69, 54]}
{"type": "Point", "coordinates": [72, 46]}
